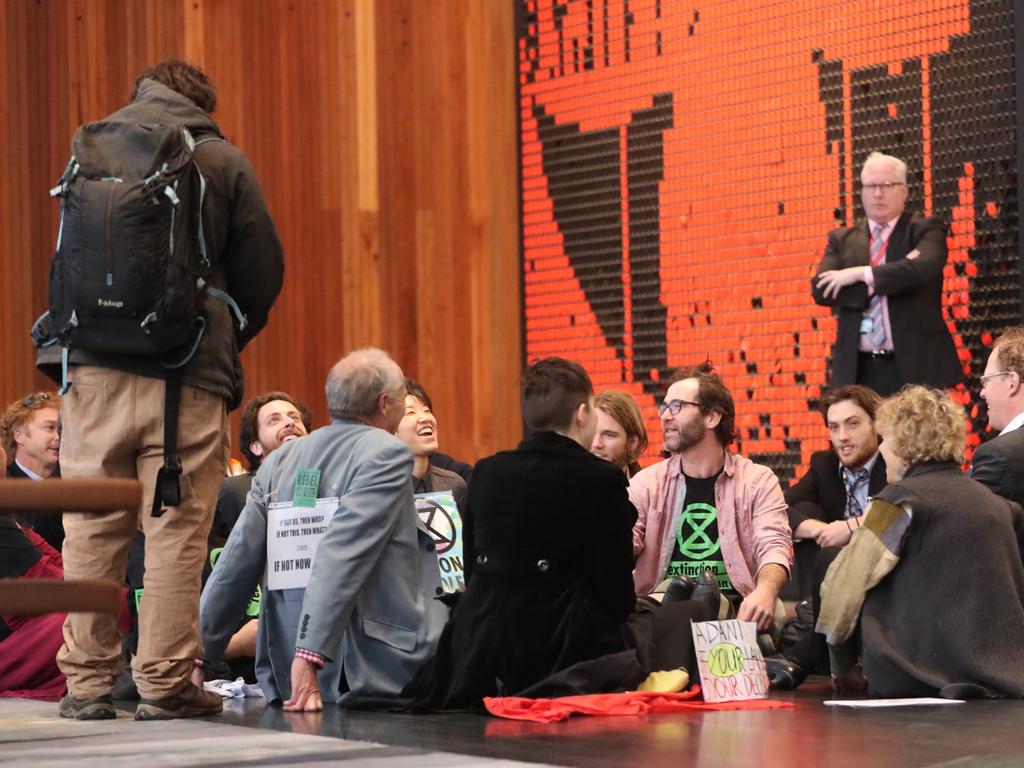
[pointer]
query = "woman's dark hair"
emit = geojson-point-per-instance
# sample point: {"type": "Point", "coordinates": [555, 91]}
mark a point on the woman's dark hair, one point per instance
{"type": "Point", "coordinates": [553, 388]}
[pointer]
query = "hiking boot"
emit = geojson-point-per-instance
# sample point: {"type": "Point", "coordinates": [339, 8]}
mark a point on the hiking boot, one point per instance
{"type": "Point", "coordinates": [191, 702]}
{"type": "Point", "coordinates": [97, 708]}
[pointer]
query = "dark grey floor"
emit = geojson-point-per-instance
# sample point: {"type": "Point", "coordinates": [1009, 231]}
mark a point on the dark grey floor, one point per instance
{"type": "Point", "coordinates": [33, 736]}
{"type": "Point", "coordinates": [983, 733]}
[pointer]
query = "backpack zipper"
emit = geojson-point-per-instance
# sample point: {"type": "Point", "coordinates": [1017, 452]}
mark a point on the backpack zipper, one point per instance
{"type": "Point", "coordinates": [108, 222]}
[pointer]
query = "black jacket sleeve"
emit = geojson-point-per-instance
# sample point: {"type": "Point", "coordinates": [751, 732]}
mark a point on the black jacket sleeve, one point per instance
{"type": "Point", "coordinates": [804, 500]}
{"type": "Point", "coordinates": [990, 468]}
{"type": "Point", "coordinates": [253, 258]}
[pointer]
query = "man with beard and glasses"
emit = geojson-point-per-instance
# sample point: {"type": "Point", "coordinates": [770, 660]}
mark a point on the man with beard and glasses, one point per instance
{"type": "Point", "coordinates": [707, 509]}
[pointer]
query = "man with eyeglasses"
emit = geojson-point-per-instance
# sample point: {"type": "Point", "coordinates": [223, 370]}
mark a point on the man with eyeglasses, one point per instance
{"type": "Point", "coordinates": [30, 433]}
{"type": "Point", "coordinates": [883, 279]}
{"type": "Point", "coordinates": [706, 508]}
{"type": "Point", "coordinates": [998, 463]}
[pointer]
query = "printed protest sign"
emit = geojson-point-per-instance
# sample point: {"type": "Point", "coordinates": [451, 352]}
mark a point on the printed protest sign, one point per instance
{"type": "Point", "coordinates": [729, 660]}
{"type": "Point", "coordinates": [440, 515]}
{"type": "Point", "coordinates": [293, 535]}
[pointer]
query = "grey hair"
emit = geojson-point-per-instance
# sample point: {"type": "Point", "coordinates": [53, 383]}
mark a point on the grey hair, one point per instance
{"type": "Point", "coordinates": [357, 381]}
{"type": "Point", "coordinates": [895, 162]}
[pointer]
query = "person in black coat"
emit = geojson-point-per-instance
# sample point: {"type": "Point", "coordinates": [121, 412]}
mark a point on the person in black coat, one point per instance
{"type": "Point", "coordinates": [549, 560]}
{"type": "Point", "coordinates": [998, 462]}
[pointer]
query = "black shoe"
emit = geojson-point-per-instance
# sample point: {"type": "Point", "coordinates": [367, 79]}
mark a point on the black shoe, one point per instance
{"type": "Point", "coordinates": [784, 674]}
{"type": "Point", "coordinates": [707, 591]}
{"type": "Point", "coordinates": [97, 708]}
{"type": "Point", "coordinates": [679, 590]}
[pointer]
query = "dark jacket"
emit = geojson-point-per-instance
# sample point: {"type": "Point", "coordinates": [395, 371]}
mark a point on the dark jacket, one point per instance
{"type": "Point", "coordinates": [444, 461]}
{"type": "Point", "coordinates": [952, 609]}
{"type": "Point", "coordinates": [241, 241]}
{"type": "Point", "coordinates": [925, 353]}
{"type": "Point", "coordinates": [549, 558]}
{"type": "Point", "coordinates": [820, 494]}
{"type": "Point", "coordinates": [46, 524]}
{"type": "Point", "coordinates": [437, 479]}
{"type": "Point", "coordinates": [999, 464]}
{"type": "Point", "coordinates": [230, 503]}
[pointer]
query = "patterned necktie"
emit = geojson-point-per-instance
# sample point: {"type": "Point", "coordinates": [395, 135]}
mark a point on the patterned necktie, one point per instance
{"type": "Point", "coordinates": [851, 479]}
{"type": "Point", "coordinates": [877, 334]}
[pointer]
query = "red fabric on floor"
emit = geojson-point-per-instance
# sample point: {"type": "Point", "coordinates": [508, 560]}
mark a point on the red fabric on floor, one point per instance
{"type": "Point", "coordinates": [604, 704]}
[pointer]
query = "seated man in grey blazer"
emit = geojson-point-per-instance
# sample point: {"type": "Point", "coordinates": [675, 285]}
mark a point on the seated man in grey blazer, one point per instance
{"type": "Point", "coordinates": [331, 533]}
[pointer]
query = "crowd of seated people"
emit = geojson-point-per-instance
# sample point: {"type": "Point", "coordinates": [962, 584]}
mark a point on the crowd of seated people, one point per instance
{"type": "Point", "coordinates": [584, 571]}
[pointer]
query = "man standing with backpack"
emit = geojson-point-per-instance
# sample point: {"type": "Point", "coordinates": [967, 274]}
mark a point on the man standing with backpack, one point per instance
{"type": "Point", "coordinates": [167, 264]}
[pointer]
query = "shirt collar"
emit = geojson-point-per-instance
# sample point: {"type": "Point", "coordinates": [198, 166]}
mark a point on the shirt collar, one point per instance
{"type": "Point", "coordinates": [28, 471]}
{"type": "Point", "coordinates": [869, 465]}
{"type": "Point", "coordinates": [675, 466]}
{"type": "Point", "coordinates": [889, 225]}
{"type": "Point", "coordinates": [1015, 423]}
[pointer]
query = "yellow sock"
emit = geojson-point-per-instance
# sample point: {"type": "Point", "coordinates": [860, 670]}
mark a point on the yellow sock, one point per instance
{"type": "Point", "coordinates": [666, 681]}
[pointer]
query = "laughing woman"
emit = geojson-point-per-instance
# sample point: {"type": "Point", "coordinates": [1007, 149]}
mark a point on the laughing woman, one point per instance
{"type": "Point", "coordinates": [934, 573]}
{"type": "Point", "coordinates": [418, 430]}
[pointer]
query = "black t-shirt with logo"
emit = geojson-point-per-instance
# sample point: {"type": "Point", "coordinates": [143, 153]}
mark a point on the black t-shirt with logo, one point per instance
{"type": "Point", "coordinates": [698, 545]}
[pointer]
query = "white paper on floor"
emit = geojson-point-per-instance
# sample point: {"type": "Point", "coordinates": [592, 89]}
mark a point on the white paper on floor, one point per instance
{"type": "Point", "coordinates": [234, 689]}
{"type": "Point", "coordinates": [872, 703]}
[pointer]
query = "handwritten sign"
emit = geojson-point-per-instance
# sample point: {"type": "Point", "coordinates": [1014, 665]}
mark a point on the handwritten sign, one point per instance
{"type": "Point", "coordinates": [440, 515]}
{"type": "Point", "coordinates": [293, 535]}
{"type": "Point", "coordinates": [729, 660]}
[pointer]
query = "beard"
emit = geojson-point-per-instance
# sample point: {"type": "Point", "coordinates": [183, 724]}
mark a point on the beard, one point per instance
{"type": "Point", "coordinates": [689, 434]}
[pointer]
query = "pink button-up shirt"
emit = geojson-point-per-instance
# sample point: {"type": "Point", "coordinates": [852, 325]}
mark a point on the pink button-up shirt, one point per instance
{"type": "Point", "coordinates": [752, 523]}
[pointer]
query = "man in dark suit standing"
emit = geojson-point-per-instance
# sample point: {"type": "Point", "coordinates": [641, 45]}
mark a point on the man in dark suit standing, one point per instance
{"type": "Point", "coordinates": [883, 277]}
{"type": "Point", "coordinates": [825, 507]}
{"type": "Point", "coordinates": [998, 463]}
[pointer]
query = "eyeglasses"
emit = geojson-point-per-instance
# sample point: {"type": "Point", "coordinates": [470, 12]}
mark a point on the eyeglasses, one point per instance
{"type": "Point", "coordinates": [885, 186]}
{"type": "Point", "coordinates": [674, 406]}
{"type": "Point", "coordinates": [985, 379]}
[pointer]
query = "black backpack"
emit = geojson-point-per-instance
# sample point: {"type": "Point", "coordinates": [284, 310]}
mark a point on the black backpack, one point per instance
{"type": "Point", "coordinates": [130, 268]}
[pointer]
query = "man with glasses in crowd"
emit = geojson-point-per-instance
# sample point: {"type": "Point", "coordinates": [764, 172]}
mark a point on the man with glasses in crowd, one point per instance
{"type": "Point", "coordinates": [998, 462]}
{"type": "Point", "coordinates": [705, 508]}
{"type": "Point", "coordinates": [883, 277]}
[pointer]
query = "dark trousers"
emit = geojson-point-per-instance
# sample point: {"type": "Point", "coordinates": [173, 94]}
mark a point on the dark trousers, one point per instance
{"type": "Point", "coordinates": [811, 650]}
{"type": "Point", "coordinates": [879, 373]}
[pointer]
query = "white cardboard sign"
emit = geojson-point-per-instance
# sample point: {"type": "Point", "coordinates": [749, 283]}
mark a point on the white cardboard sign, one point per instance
{"type": "Point", "coordinates": [293, 535]}
{"type": "Point", "coordinates": [729, 660]}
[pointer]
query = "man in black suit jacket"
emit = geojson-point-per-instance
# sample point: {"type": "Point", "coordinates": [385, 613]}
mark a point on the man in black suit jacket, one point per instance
{"type": "Point", "coordinates": [883, 277]}
{"type": "Point", "coordinates": [999, 462]}
{"type": "Point", "coordinates": [825, 507]}
{"type": "Point", "coordinates": [30, 433]}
